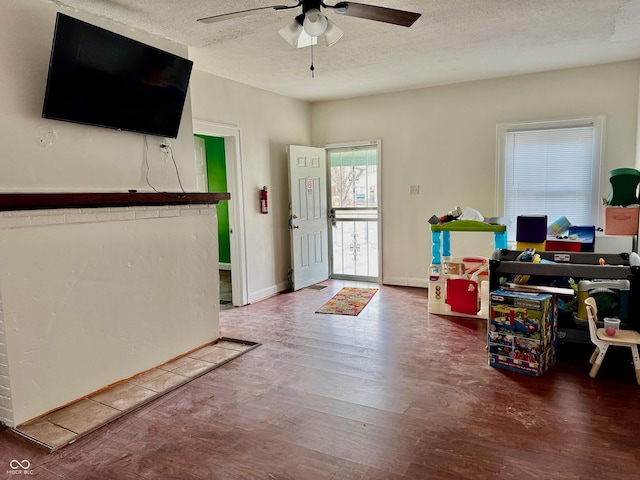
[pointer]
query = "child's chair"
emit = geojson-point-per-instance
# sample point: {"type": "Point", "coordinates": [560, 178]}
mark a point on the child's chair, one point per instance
{"type": "Point", "coordinates": [622, 338]}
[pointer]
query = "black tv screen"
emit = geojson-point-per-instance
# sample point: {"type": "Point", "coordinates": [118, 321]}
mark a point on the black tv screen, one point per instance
{"type": "Point", "coordinates": [97, 77]}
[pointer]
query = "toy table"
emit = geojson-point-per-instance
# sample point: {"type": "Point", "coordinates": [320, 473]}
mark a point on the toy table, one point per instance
{"type": "Point", "coordinates": [500, 235]}
{"type": "Point", "coordinates": [451, 291]}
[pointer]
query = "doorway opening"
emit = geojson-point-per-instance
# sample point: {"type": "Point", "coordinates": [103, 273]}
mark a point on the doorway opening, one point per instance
{"type": "Point", "coordinates": [212, 149]}
{"type": "Point", "coordinates": [226, 138]}
{"type": "Point", "coordinates": [355, 235]}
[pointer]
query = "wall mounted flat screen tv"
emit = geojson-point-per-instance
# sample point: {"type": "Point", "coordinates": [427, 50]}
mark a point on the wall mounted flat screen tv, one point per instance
{"type": "Point", "coordinates": [97, 77]}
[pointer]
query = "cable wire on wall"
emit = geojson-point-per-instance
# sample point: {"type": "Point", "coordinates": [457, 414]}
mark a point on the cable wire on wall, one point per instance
{"type": "Point", "coordinates": [165, 148]}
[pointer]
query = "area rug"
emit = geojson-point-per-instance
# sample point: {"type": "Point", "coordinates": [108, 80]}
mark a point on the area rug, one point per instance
{"type": "Point", "coordinates": [348, 301]}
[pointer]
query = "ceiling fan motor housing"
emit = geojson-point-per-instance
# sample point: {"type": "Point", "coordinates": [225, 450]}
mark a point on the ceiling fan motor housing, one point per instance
{"type": "Point", "coordinates": [311, 5]}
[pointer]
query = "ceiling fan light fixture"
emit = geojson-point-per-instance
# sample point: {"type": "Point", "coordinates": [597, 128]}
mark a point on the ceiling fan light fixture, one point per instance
{"type": "Point", "coordinates": [291, 32]}
{"type": "Point", "coordinates": [332, 34]}
{"type": "Point", "coordinates": [314, 23]}
{"type": "Point", "coordinates": [306, 40]}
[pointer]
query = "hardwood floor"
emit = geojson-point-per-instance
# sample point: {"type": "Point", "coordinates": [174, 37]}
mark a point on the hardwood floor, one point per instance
{"type": "Point", "coordinates": [393, 393]}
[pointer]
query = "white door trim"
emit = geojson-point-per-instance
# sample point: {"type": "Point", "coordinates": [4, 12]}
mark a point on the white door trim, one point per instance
{"type": "Point", "coordinates": [237, 230]}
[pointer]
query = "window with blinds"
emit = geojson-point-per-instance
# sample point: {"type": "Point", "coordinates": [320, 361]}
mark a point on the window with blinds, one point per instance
{"type": "Point", "coordinates": [552, 169]}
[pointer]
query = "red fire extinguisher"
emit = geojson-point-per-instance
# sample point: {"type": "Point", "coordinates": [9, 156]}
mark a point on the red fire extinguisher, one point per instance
{"type": "Point", "coordinates": [264, 207]}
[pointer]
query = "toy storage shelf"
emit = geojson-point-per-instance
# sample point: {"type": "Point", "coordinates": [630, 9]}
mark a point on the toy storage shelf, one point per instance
{"type": "Point", "coordinates": [565, 270]}
{"type": "Point", "coordinates": [577, 265]}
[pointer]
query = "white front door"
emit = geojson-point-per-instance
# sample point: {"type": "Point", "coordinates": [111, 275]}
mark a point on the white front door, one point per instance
{"type": "Point", "coordinates": [308, 215]}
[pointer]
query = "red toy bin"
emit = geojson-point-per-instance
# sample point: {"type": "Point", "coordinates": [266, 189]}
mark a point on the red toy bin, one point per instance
{"type": "Point", "coordinates": [462, 295]}
{"type": "Point", "coordinates": [557, 245]}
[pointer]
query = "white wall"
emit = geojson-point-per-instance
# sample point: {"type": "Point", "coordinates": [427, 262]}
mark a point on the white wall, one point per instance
{"type": "Point", "coordinates": [88, 304]}
{"type": "Point", "coordinates": [95, 296]}
{"type": "Point", "coordinates": [81, 158]}
{"type": "Point", "coordinates": [444, 139]}
{"type": "Point", "coordinates": [268, 123]}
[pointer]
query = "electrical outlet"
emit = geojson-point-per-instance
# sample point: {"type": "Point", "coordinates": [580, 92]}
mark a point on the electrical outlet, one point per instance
{"type": "Point", "coordinates": [165, 146]}
{"type": "Point", "coordinates": [414, 190]}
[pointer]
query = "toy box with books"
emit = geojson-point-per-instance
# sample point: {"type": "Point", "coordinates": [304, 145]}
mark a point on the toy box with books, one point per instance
{"type": "Point", "coordinates": [522, 331]}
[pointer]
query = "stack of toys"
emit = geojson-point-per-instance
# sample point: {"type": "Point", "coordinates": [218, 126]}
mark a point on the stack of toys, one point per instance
{"type": "Point", "coordinates": [522, 331]}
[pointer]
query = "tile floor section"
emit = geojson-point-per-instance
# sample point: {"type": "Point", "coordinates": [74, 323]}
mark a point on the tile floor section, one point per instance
{"type": "Point", "coordinates": [65, 426]}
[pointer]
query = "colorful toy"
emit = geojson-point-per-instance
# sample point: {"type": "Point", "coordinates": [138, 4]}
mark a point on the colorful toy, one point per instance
{"type": "Point", "coordinates": [460, 286]}
{"type": "Point", "coordinates": [514, 319]}
{"type": "Point", "coordinates": [612, 297]}
{"type": "Point", "coordinates": [522, 331]}
{"type": "Point", "coordinates": [451, 215]}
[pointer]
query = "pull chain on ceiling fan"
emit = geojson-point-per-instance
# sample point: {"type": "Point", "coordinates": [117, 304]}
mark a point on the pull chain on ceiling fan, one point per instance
{"type": "Point", "coordinates": [305, 29]}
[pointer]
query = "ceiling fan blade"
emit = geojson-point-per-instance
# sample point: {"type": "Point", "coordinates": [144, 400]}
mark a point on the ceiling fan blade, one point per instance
{"type": "Point", "coordinates": [244, 13]}
{"type": "Point", "coordinates": [379, 14]}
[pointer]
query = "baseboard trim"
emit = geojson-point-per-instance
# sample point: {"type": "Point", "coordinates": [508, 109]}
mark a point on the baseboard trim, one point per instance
{"type": "Point", "coordinates": [406, 282]}
{"type": "Point", "coordinates": [418, 282]}
{"type": "Point", "coordinates": [268, 292]}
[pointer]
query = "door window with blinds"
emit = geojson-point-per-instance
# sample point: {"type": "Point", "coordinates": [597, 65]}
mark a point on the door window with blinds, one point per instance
{"type": "Point", "coordinates": [550, 168]}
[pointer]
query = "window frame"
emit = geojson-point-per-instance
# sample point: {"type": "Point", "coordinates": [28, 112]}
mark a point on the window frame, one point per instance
{"type": "Point", "coordinates": [596, 121]}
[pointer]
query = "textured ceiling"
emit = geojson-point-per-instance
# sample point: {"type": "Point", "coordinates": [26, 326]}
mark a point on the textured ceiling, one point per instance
{"type": "Point", "coordinates": [454, 41]}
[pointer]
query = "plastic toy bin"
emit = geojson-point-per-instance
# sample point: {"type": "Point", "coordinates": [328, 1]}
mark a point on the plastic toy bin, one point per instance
{"type": "Point", "coordinates": [620, 220]}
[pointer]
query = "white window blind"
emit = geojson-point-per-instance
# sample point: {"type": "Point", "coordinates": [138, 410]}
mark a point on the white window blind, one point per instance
{"type": "Point", "coordinates": [552, 171]}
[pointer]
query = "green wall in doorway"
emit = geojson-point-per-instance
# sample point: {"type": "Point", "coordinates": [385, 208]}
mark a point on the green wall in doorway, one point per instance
{"type": "Point", "coordinates": [217, 182]}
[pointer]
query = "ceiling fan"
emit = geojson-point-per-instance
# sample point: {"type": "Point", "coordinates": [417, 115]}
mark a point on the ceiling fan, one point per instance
{"type": "Point", "coordinates": [311, 24]}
